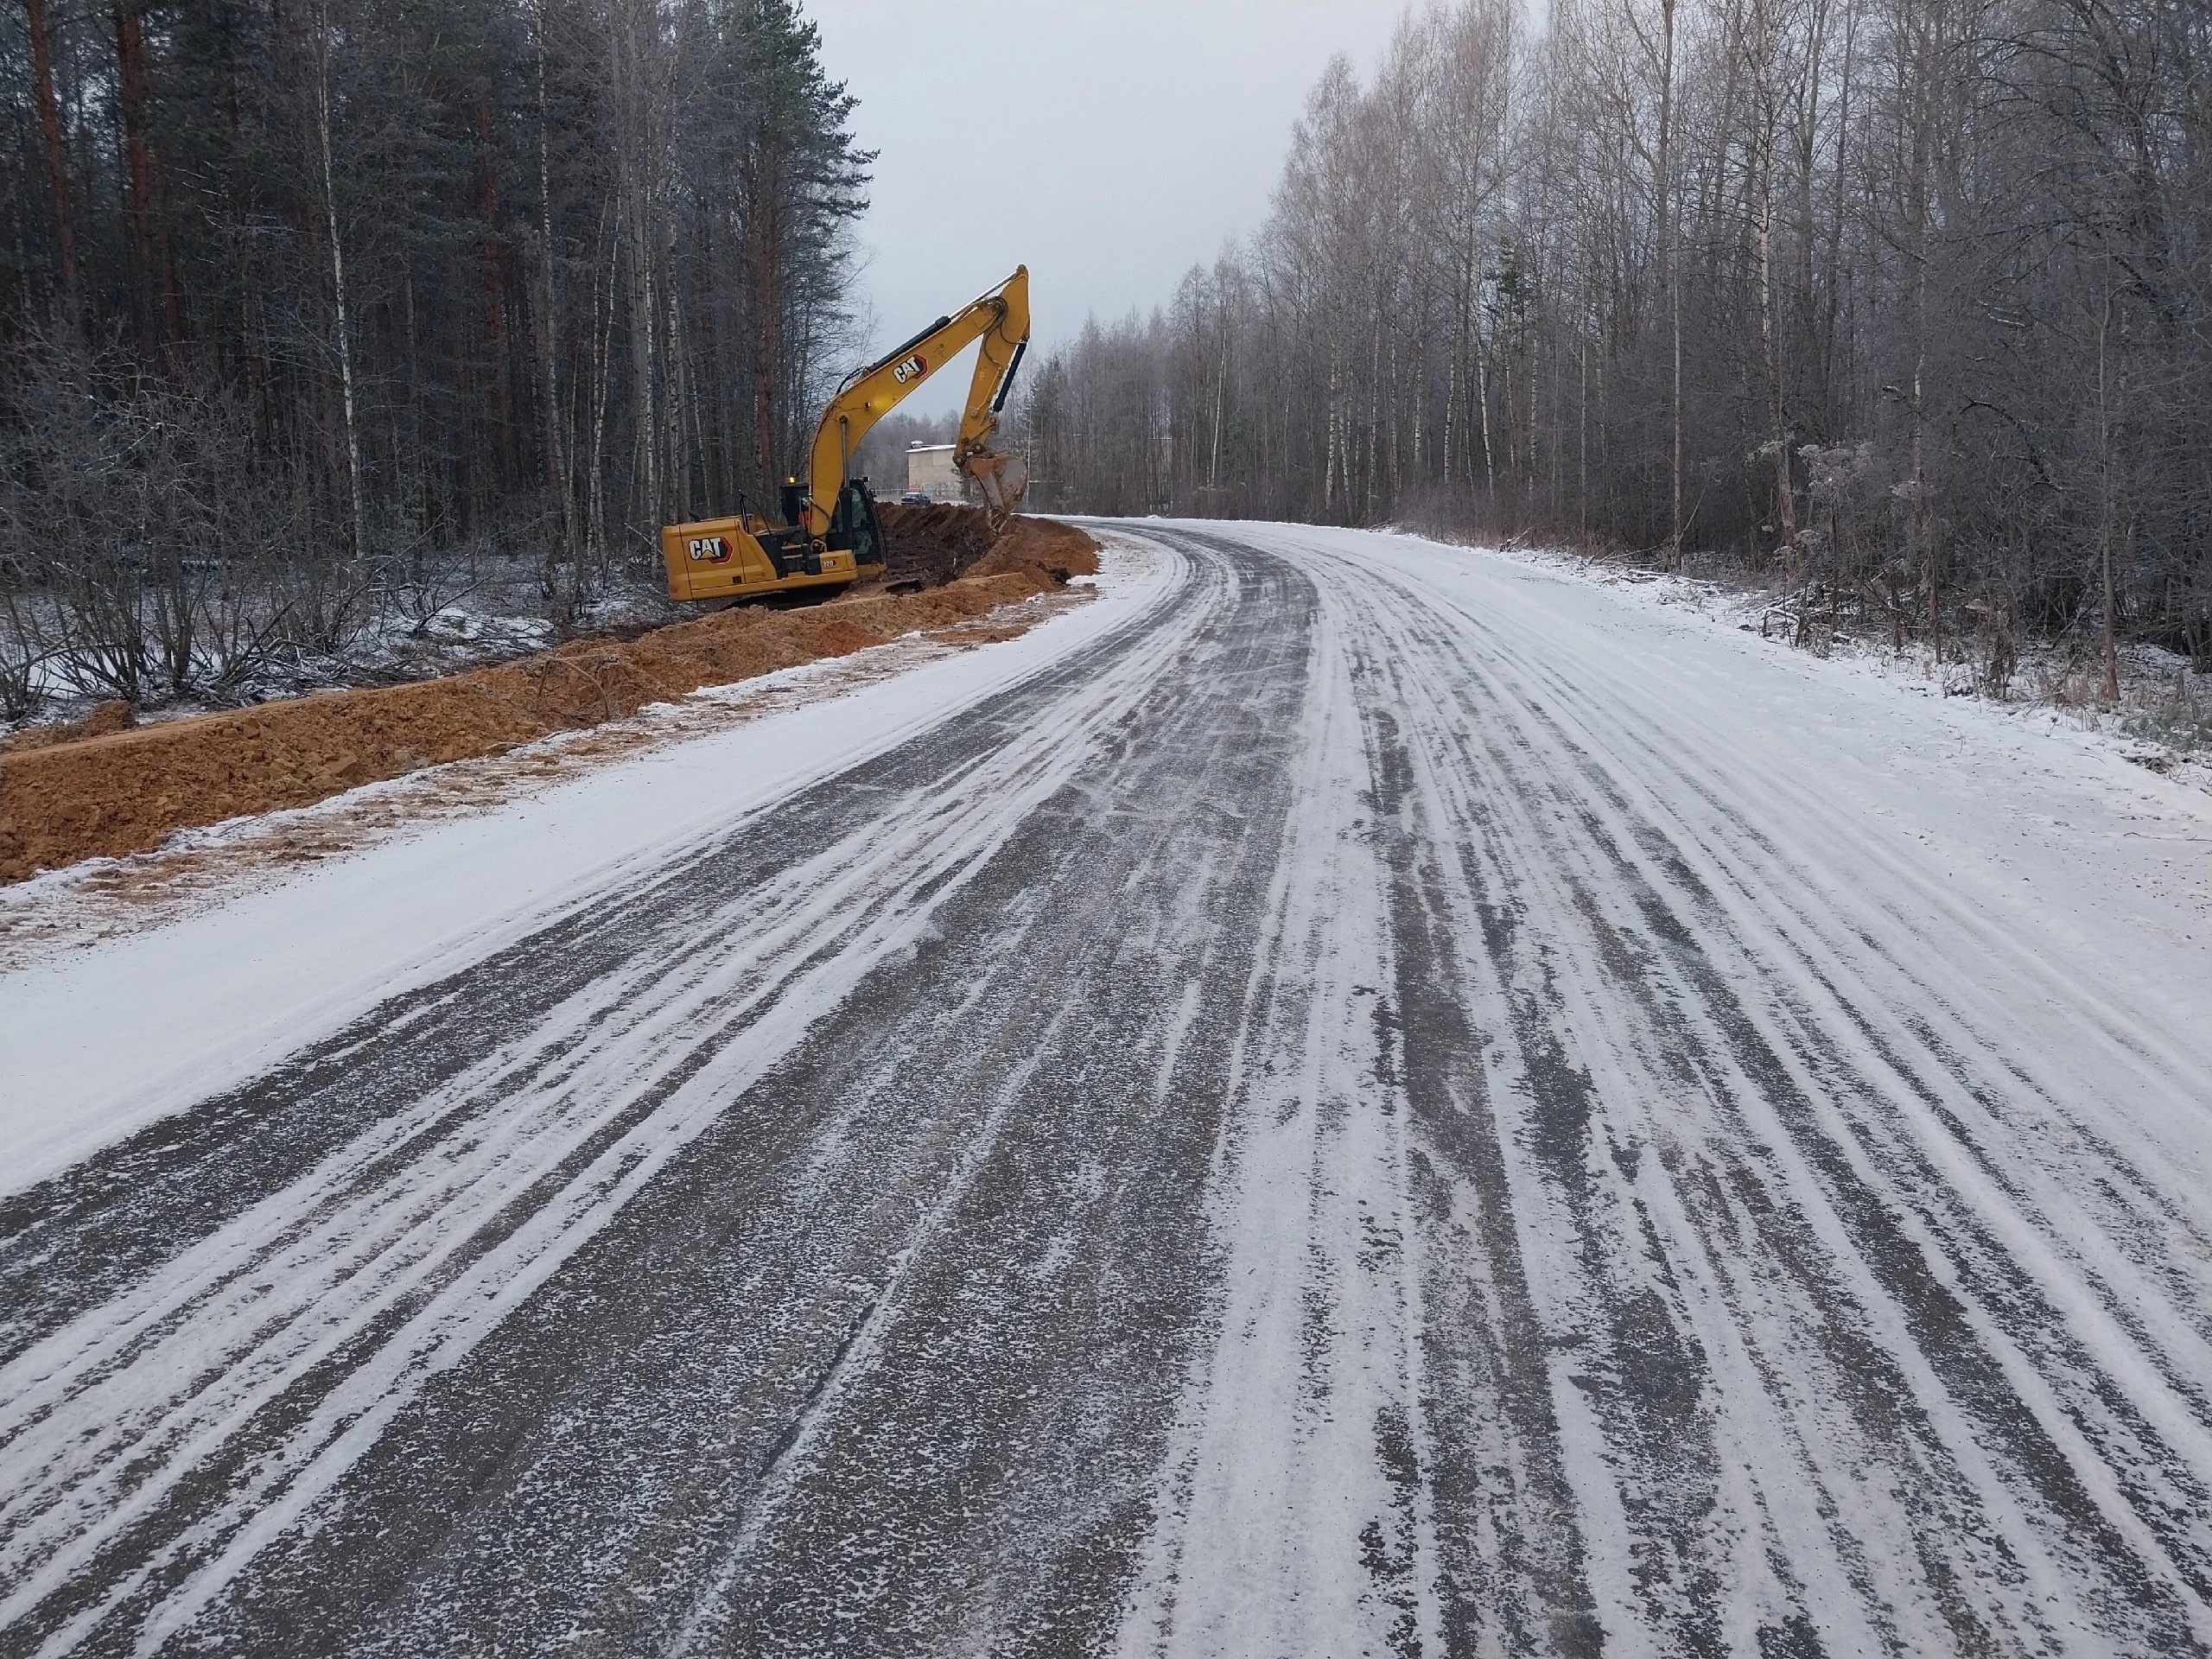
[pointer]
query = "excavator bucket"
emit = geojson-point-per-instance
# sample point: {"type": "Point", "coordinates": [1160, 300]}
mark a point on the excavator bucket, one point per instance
{"type": "Point", "coordinates": [1003, 480]}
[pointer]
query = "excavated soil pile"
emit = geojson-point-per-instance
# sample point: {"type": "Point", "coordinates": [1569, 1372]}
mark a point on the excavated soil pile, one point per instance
{"type": "Point", "coordinates": [1059, 550]}
{"type": "Point", "coordinates": [86, 795]}
{"type": "Point", "coordinates": [931, 545]}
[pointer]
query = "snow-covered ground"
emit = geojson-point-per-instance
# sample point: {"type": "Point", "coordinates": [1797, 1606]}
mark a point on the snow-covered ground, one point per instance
{"type": "Point", "coordinates": [1349, 1094]}
{"type": "Point", "coordinates": [2012, 766]}
{"type": "Point", "coordinates": [2163, 722]}
{"type": "Point", "coordinates": [230, 989]}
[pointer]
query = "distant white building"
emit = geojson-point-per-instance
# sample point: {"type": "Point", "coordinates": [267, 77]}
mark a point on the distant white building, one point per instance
{"type": "Point", "coordinates": [928, 469]}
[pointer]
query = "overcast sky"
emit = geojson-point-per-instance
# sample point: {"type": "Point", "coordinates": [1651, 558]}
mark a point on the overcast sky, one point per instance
{"type": "Point", "coordinates": [1107, 144]}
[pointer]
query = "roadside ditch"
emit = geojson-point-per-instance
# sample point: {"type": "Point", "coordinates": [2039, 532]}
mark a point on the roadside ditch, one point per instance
{"type": "Point", "coordinates": [107, 788]}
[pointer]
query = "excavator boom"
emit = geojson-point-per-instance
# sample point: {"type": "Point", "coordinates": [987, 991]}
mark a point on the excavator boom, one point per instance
{"type": "Point", "coordinates": [1000, 319]}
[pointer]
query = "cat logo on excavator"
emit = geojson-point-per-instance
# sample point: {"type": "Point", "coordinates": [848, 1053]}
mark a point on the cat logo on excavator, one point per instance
{"type": "Point", "coordinates": [831, 537]}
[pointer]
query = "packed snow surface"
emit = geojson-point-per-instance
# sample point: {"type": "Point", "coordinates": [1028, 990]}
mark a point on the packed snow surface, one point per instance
{"type": "Point", "coordinates": [1348, 1095]}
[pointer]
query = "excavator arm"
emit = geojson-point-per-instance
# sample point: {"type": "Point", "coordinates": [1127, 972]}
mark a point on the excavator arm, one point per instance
{"type": "Point", "coordinates": [1000, 319]}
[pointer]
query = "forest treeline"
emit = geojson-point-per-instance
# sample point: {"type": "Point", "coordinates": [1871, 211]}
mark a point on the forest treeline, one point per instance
{"type": "Point", "coordinates": [303, 302]}
{"type": "Point", "coordinates": [1908, 303]}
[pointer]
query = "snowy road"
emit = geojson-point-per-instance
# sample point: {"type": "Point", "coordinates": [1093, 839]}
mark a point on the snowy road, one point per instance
{"type": "Point", "coordinates": [1367, 1099]}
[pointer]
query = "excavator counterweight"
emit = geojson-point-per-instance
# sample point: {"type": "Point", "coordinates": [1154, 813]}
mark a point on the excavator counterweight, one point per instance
{"type": "Point", "coordinates": [831, 536]}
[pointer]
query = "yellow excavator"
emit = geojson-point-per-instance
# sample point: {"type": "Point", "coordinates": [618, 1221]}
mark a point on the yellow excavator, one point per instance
{"type": "Point", "coordinates": [830, 536]}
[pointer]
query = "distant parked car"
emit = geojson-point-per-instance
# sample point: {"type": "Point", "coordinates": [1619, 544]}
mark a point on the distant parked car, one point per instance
{"type": "Point", "coordinates": [916, 498]}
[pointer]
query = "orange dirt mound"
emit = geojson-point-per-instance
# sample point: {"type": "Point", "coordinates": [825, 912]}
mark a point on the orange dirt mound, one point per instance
{"type": "Point", "coordinates": [85, 795]}
{"type": "Point", "coordinates": [1059, 550]}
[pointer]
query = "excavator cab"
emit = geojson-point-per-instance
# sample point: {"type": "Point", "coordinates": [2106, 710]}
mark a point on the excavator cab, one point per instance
{"type": "Point", "coordinates": [853, 526]}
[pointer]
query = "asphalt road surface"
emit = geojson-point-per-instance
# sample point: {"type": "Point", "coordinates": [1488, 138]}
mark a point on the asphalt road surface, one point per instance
{"type": "Point", "coordinates": [1371, 1108]}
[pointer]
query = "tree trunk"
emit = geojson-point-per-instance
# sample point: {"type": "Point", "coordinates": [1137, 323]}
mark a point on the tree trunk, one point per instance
{"type": "Point", "coordinates": [57, 158]}
{"type": "Point", "coordinates": [2105, 508]}
{"type": "Point", "coordinates": [1482, 402]}
{"type": "Point", "coordinates": [1582, 430]}
{"type": "Point", "coordinates": [1769, 334]}
{"type": "Point", "coordinates": [495, 292]}
{"type": "Point", "coordinates": [767, 352]}
{"type": "Point", "coordinates": [132, 95]}
{"type": "Point", "coordinates": [1220, 399]}
{"type": "Point", "coordinates": [547, 329]}
{"type": "Point", "coordinates": [1919, 190]}
{"type": "Point", "coordinates": [338, 282]}
{"type": "Point", "coordinates": [1671, 231]}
